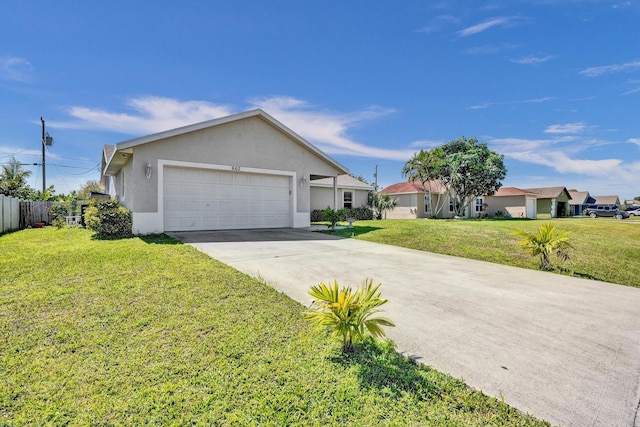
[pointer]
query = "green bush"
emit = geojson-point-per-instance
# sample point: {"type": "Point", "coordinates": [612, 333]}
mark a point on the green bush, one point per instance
{"type": "Point", "coordinates": [108, 219]}
{"type": "Point", "coordinates": [362, 213]}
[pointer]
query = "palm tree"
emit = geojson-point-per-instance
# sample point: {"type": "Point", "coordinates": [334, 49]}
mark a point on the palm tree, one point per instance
{"type": "Point", "coordinates": [426, 167]}
{"type": "Point", "coordinates": [13, 180]}
{"type": "Point", "coordinates": [350, 315]}
{"type": "Point", "coordinates": [383, 202]}
{"type": "Point", "coordinates": [544, 243]}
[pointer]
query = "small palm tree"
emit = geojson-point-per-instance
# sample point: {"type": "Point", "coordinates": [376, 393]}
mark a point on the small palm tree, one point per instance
{"type": "Point", "coordinates": [333, 216]}
{"type": "Point", "coordinates": [383, 203]}
{"type": "Point", "coordinates": [547, 241]}
{"type": "Point", "coordinates": [349, 314]}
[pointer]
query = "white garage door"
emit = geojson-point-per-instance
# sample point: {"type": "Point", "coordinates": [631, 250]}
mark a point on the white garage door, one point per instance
{"type": "Point", "coordinates": [202, 199]}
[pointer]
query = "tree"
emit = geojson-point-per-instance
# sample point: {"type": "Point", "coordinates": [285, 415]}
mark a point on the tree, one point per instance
{"type": "Point", "coordinates": [13, 180]}
{"type": "Point", "coordinates": [333, 216]}
{"type": "Point", "coordinates": [382, 203]}
{"type": "Point", "coordinates": [471, 170]}
{"type": "Point", "coordinates": [89, 187]}
{"type": "Point", "coordinates": [426, 167]}
{"type": "Point", "coordinates": [349, 314]}
{"type": "Point", "coordinates": [545, 242]}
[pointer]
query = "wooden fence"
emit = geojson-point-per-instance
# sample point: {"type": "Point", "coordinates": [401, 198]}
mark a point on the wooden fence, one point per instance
{"type": "Point", "coordinates": [32, 213]}
{"type": "Point", "coordinates": [9, 213]}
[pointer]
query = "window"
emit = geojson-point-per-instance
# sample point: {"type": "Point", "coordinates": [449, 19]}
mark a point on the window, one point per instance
{"type": "Point", "coordinates": [347, 199]}
{"type": "Point", "coordinates": [479, 205]}
{"type": "Point", "coordinates": [427, 204]}
{"type": "Point", "coordinates": [452, 204]}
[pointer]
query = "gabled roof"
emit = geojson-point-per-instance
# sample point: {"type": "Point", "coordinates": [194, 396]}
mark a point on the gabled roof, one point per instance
{"type": "Point", "coordinates": [512, 191]}
{"type": "Point", "coordinates": [549, 192]}
{"type": "Point", "coordinates": [344, 181]}
{"type": "Point", "coordinates": [580, 198]}
{"type": "Point", "coordinates": [125, 148]}
{"type": "Point", "coordinates": [414, 188]}
{"type": "Point", "coordinates": [606, 200]}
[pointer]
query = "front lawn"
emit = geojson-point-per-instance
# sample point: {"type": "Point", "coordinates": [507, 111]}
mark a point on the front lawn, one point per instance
{"type": "Point", "coordinates": [604, 249]}
{"type": "Point", "coordinates": [133, 332]}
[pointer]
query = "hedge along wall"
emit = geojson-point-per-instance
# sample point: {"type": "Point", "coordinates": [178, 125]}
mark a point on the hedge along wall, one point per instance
{"type": "Point", "coordinates": [9, 213]}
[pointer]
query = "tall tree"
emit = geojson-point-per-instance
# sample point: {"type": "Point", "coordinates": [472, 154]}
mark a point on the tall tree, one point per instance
{"type": "Point", "coordinates": [471, 170]}
{"type": "Point", "coordinates": [13, 180]}
{"type": "Point", "coordinates": [426, 167]}
{"type": "Point", "coordinates": [89, 187]}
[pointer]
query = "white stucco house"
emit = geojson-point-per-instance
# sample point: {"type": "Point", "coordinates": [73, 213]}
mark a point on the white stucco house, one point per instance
{"type": "Point", "coordinates": [352, 193]}
{"type": "Point", "coordinates": [242, 171]}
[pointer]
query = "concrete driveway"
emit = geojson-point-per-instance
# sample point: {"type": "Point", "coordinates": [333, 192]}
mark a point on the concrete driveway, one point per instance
{"type": "Point", "coordinates": [563, 349]}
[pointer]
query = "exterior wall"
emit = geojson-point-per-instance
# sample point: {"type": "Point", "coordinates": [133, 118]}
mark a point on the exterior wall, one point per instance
{"type": "Point", "coordinates": [250, 145]}
{"type": "Point", "coordinates": [513, 206]}
{"type": "Point", "coordinates": [543, 208]}
{"type": "Point", "coordinates": [321, 197]}
{"type": "Point", "coordinates": [406, 208]}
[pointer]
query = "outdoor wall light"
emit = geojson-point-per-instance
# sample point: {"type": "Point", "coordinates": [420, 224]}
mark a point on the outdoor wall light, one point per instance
{"type": "Point", "coordinates": [303, 182]}
{"type": "Point", "coordinates": [148, 170]}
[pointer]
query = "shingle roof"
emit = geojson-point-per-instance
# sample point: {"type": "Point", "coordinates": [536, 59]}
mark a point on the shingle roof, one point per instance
{"type": "Point", "coordinates": [606, 200]}
{"type": "Point", "coordinates": [344, 181]}
{"type": "Point", "coordinates": [580, 198]}
{"type": "Point", "coordinates": [548, 192]}
{"type": "Point", "coordinates": [413, 187]}
{"type": "Point", "coordinates": [512, 191]}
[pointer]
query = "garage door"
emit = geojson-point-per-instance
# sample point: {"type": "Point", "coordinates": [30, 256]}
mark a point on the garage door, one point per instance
{"type": "Point", "coordinates": [202, 199]}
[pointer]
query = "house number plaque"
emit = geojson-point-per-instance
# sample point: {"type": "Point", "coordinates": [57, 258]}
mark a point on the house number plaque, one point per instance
{"type": "Point", "coordinates": [235, 168]}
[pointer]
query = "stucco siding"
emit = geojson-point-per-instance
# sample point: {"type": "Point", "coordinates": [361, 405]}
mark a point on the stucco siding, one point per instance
{"type": "Point", "coordinates": [248, 143]}
{"type": "Point", "coordinates": [321, 197]}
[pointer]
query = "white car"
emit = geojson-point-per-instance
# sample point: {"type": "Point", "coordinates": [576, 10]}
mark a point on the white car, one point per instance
{"type": "Point", "coordinates": [633, 212]}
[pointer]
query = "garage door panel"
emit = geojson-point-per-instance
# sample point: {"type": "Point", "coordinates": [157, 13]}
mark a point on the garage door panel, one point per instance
{"type": "Point", "coordinates": [200, 199]}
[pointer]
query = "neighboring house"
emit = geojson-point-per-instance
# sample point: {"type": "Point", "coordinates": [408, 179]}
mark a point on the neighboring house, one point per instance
{"type": "Point", "coordinates": [413, 201]}
{"type": "Point", "coordinates": [552, 202]}
{"type": "Point", "coordinates": [580, 200]}
{"type": "Point", "coordinates": [242, 171]}
{"type": "Point", "coordinates": [352, 193]}
{"type": "Point", "coordinates": [606, 201]}
{"type": "Point", "coordinates": [512, 202]}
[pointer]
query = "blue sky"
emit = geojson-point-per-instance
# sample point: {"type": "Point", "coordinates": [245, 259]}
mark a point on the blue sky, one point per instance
{"type": "Point", "coordinates": [552, 85]}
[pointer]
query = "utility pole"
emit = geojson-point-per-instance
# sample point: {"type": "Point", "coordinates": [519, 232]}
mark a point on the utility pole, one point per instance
{"type": "Point", "coordinates": [48, 141]}
{"type": "Point", "coordinates": [375, 175]}
{"type": "Point", "coordinates": [44, 180]}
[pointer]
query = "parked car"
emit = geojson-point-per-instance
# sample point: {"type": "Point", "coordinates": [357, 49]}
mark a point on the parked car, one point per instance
{"type": "Point", "coordinates": [595, 211]}
{"type": "Point", "coordinates": [633, 211]}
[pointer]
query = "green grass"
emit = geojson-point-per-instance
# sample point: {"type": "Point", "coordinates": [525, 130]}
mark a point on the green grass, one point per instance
{"type": "Point", "coordinates": [132, 332]}
{"type": "Point", "coordinates": [604, 249]}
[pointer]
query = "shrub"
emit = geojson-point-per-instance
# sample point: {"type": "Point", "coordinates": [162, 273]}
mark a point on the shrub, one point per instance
{"type": "Point", "coordinates": [108, 219]}
{"type": "Point", "coordinates": [59, 211]}
{"type": "Point", "coordinates": [333, 216]}
{"type": "Point", "coordinates": [544, 243]}
{"type": "Point", "coordinates": [362, 213]}
{"type": "Point", "coordinates": [316, 215]}
{"type": "Point", "coordinates": [348, 314]}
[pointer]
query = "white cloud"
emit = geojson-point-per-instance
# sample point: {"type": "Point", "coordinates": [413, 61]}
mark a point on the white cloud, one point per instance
{"type": "Point", "coordinates": [437, 23]}
{"type": "Point", "coordinates": [525, 101]}
{"type": "Point", "coordinates": [597, 71]}
{"type": "Point", "coordinates": [150, 115]}
{"type": "Point", "coordinates": [566, 128]}
{"type": "Point", "coordinates": [328, 130]}
{"type": "Point", "coordinates": [425, 144]}
{"type": "Point", "coordinates": [483, 26]}
{"type": "Point", "coordinates": [532, 60]}
{"type": "Point", "coordinates": [15, 68]}
{"type": "Point", "coordinates": [634, 141]}
{"type": "Point", "coordinates": [547, 153]}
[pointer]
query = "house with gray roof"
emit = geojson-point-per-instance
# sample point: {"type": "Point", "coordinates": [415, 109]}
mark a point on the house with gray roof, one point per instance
{"type": "Point", "coordinates": [552, 202]}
